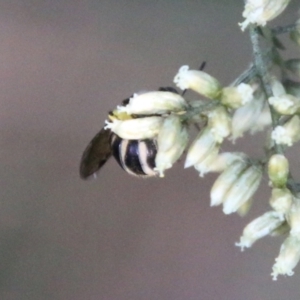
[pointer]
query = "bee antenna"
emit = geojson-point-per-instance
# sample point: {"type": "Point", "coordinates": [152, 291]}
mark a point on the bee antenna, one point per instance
{"type": "Point", "coordinates": [202, 66]}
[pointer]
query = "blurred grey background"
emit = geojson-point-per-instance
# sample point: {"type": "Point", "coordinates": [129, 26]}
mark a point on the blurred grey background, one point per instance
{"type": "Point", "coordinates": [63, 65]}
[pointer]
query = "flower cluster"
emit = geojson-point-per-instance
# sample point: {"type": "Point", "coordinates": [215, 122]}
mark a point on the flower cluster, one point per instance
{"type": "Point", "coordinates": [256, 102]}
{"type": "Point", "coordinates": [284, 104]}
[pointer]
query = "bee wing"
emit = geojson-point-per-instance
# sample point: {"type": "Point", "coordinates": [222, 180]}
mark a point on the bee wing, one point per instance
{"type": "Point", "coordinates": [97, 152]}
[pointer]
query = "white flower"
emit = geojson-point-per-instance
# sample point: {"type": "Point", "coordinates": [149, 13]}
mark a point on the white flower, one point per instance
{"type": "Point", "coordinates": [264, 119]}
{"type": "Point", "coordinates": [202, 146]}
{"type": "Point", "coordinates": [235, 97]}
{"type": "Point", "coordinates": [278, 170]}
{"type": "Point", "coordinates": [225, 181]}
{"type": "Point", "coordinates": [168, 134]}
{"type": "Point", "coordinates": [281, 200]}
{"type": "Point", "coordinates": [219, 122]}
{"type": "Point", "coordinates": [242, 189]}
{"type": "Point", "coordinates": [289, 133]}
{"type": "Point", "coordinates": [246, 117]}
{"type": "Point", "coordinates": [288, 258]}
{"type": "Point", "coordinates": [157, 102]}
{"type": "Point", "coordinates": [215, 162]}
{"type": "Point", "coordinates": [172, 140]}
{"type": "Point", "coordinates": [259, 228]}
{"type": "Point", "coordinates": [205, 165]}
{"type": "Point", "coordinates": [198, 81]}
{"type": "Point", "coordinates": [259, 12]}
{"type": "Point", "coordinates": [135, 129]}
{"type": "Point", "coordinates": [225, 159]}
{"type": "Point", "coordinates": [285, 104]}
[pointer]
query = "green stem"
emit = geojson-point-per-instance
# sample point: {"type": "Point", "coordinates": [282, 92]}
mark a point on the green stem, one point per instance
{"type": "Point", "coordinates": [284, 29]}
{"type": "Point", "coordinates": [264, 76]}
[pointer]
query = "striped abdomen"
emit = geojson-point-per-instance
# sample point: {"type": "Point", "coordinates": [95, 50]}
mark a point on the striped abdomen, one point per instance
{"type": "Point", "coordinates": [136, 157]}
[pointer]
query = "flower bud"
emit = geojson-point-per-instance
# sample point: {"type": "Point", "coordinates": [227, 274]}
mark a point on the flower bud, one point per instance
{"type": "Point", "coordinates": [285, 104]}
{"type": "Point", "coordinates": [225, 180]}
{"type": "Point", "coordinates": [264, 119]}
{"type": "Point", "coordinates": [293, 65]}
{"type": "Point", "coordinates": [135, 129]}
{"type": "Point", "coordinates": [293, 217]}
{"type": "Point", "coordinates": [281, 200]}
{"type": "Point", "coordinates": [246, 117]}
{"type": "Point", "coordinates": [288, 258]}
{"type": "Point", "coordinates": [198, 81]}
{"type": "Point", "coordinates": [242, 189]}
{"type": "Point", "coordinates": [259, 228]}
{"type": "Point", "coordinates": [172, 140]}
{"type": "Point", "coordinates": [224, 160]}
{"type": "Point", "coordinates": [157, 102]}
{"type": "Point", "coordinates": [220, 123]}
{"type": "Point", "coordinates": [168, 134]}
{"type": "Point", "coordinates": [215, 162]}
{"type": "Point", "coordinates": [260, 12]}
{"type": "Point", "coordinates": [235, 97]}
{"type": "Point", "coordinates": [289, 133]}
{"type": "Point", "coordinates": [278, 170]}
{"type": "Point", "coordinates": [205, 165]}
{"type": "Point", "coordinates": [202, 146]}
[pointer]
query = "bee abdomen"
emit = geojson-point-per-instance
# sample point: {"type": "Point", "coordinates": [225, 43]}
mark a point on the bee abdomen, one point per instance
{"type": "Point", "coordinates": [136, 157]}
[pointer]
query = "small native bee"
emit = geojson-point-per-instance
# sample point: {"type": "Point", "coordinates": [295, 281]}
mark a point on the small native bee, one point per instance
{"type": "Point", "coordinates": [136, 157]}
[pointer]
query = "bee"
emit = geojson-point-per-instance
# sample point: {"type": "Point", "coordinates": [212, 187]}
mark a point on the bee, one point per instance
{"type": "Point", "coordinates": [136, 157]}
